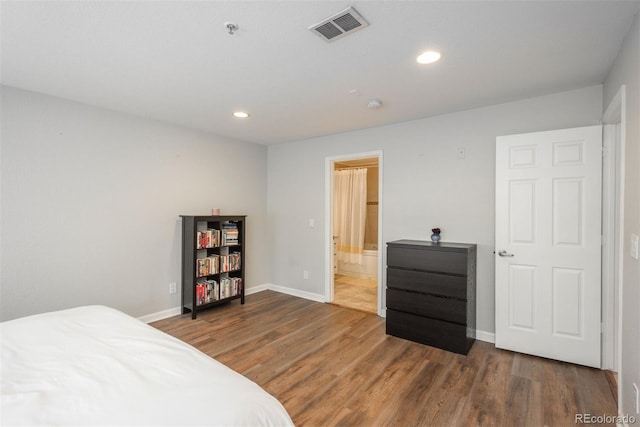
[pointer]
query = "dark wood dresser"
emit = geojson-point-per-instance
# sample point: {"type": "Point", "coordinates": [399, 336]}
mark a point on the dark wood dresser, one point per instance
{"type": "Point", "coordinates": [431, 289]}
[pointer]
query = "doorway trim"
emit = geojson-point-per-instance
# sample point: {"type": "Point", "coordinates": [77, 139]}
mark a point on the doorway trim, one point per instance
{"type": "Point", "coordinates": [614, 121]}
{"type": "Point", "coordinates": [328, 215]}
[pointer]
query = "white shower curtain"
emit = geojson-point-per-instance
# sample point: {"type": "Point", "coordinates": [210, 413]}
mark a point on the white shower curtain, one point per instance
{"type": "Point", "coordinates": [350, 213]}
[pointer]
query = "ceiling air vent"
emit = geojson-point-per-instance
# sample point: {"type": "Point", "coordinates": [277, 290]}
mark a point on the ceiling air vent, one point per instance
{"type": "Point", "coordinates": [339, 25]}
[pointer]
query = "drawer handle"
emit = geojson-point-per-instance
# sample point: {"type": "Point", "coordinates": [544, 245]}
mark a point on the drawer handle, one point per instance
{"type": "Point", "coordinates": [505, 253]}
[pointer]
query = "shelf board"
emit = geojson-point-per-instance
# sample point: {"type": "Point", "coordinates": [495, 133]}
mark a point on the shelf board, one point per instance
{"type": "Point", "coordinates": [216, 302]}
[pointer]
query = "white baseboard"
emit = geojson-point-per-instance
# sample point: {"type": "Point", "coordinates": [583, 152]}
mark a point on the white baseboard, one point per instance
{"type": "Point", "coordinates": [256, 289]}
{"type": "Point", "coordinates": [175, 311]}
{"type": "Point", "coordinates": [486, 336]}
{"type": "Point", "coordinates": [295, 292]}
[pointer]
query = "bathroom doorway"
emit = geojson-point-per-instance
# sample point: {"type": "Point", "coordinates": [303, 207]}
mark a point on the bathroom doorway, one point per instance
{"type": "Point", "coordinates": [355, 220]}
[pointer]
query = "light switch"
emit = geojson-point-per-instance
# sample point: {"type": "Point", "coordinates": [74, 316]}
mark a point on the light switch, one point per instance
{"type": "Point", "coordinates": [312, 222]}
{"type": "Point", "coordinates": [461, 152]}
{"type": "Point", "coordinates": [634, 246]}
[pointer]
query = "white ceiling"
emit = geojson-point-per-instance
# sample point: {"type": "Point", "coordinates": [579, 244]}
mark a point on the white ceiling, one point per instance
{"type": "Point", "coordinates": [174, 60]}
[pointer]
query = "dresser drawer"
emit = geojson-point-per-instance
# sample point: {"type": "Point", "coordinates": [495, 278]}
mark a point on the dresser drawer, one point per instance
{"type": "Point", "coordinates": [428, 283]}
{"type": "Point", "coordinates": [451, 310]}
{"type": "Point", "coordinates": [436, 333]}
{"type": "Point", "coordinates": [427, 260]}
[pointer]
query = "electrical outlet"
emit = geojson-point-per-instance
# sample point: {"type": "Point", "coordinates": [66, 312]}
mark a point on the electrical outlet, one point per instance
{"type": "Point", "coordinates": [305, 274]}
{"type": "Point", "coordinates": [172, 288]}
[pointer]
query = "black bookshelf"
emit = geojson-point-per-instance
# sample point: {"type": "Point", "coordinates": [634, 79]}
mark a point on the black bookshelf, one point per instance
{"type": "Point", "coordinates": [213, 261]}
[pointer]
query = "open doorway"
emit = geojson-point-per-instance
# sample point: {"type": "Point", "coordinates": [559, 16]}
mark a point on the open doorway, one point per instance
{"type": "Point", "coordinates": [354, 197]}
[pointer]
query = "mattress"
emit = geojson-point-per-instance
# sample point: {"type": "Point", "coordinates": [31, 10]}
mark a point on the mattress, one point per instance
{"type": "Point", "coordinates": [97, 366]}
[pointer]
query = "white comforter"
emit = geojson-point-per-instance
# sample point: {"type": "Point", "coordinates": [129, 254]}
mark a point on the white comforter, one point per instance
{"type": "Point", "coordinates": [97, 366]}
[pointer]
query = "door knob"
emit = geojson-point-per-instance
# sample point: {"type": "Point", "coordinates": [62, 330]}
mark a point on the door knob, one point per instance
{"type": "Point", "coordinates": [504, 253]}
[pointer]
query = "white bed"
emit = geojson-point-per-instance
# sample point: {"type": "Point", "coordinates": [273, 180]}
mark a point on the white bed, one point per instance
{"type": "Point", "coordinates": [97, 366]}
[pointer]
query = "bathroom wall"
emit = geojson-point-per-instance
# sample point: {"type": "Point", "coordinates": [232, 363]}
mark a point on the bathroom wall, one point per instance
{"type": "Point", "coordinates": [371, 225]}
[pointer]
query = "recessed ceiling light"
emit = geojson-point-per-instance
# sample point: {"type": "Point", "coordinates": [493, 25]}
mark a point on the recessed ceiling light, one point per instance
{"type": "Point", "coordinates": [240, 115]}
{"type": "Point", "coordinates": [428, 57]}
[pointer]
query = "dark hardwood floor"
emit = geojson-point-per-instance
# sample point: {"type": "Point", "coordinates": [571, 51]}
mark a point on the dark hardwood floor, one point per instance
{"type": "Point", "coordinates": [330, 366]}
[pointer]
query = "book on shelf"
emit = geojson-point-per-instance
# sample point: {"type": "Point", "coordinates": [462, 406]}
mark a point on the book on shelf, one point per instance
{"type": "Point", "coordinates": [230, 262]}
{"type": "Point", "coordinates": [209, 238]}
{"type": "Point", "coordinates": [230, 235]}
{"type": "Point", "coordinates": [207, 291]}
{"type": "Point", "coordinates": [207, 266]}
{"type": "Point", "coordinates": [230, 286]}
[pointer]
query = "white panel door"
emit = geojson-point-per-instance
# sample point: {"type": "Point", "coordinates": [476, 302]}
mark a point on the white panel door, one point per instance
{"type": "Point", "coordinates": [548, 244]}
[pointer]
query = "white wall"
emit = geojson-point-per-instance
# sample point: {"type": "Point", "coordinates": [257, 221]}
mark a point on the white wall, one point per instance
{"type": "Point", "coordinates": [626, 70]}
{"type": "Point", "coordinates": [424, 184]}
{"type": "Point", "coordinates": [90, 201]}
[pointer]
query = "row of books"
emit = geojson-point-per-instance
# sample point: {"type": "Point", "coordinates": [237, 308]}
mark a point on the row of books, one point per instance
{"type": "Point", "coordinates": [209, 290]}
{"type": "Point", "coordinates": [230, 233]}
{"type": "Point", "coordinates": [215, 264]}
{"type": "Point", "coordinates": [209, 238]}
{"type": "Point", "coordinates": [230, 286]}
{"type": "Point", "coordinates": [230, 262]}
{"type": "Point", "coordinates": [213, 238]}
{"type": "Point", "coordinates": [207, 266]}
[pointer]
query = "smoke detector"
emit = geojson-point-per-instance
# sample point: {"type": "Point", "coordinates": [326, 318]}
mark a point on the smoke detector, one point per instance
{"type": "Point", "coordinates": [339, 25]}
